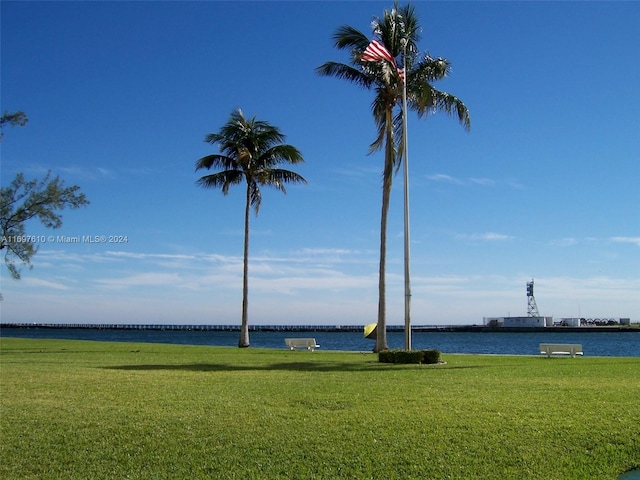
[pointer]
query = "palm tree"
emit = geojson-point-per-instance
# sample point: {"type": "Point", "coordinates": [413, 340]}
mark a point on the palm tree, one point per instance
{"type": "Point", "coordinates": [250, 151]}
{"type": "Point", "coordinates": [397, 27]}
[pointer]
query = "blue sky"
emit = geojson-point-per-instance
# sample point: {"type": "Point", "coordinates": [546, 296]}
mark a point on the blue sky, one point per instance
{"type": "Point", "coordinates": [120, 95]}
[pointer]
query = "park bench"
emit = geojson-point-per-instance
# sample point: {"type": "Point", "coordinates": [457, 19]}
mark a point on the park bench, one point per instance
{"type": "Point", "coordinates": [308, 343]}
{"type": "Point", "coordinates": [572, 349]}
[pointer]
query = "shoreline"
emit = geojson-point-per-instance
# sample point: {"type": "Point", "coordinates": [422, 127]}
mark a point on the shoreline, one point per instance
{"type": "Point", "coordinates": [324, 328]}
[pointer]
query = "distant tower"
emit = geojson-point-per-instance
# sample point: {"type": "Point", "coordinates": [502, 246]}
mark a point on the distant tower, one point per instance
{"type": "Point", "coordinates": [532, 308]}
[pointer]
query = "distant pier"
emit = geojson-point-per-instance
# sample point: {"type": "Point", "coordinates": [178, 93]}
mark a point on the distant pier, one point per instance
{"type": "Point", "coordinates": [198, 327]}
{"type": "Point", "coordinates": [319, 328]}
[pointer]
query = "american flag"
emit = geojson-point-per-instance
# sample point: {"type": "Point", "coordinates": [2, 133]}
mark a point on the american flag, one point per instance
{"type": "Point", "coordinates": [376, 52]}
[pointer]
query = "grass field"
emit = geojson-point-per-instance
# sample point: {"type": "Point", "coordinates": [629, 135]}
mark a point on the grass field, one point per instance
{"type": "Point", "coordinates": [93, 410]}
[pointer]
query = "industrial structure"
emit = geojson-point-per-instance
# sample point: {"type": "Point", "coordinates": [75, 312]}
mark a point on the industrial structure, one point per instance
{"type": "Point", "coordinates": [532, 320]}
{"type": "Point", "coordinates": [535, 320]}
{"type": "Point", "coordinates": [532, 308]}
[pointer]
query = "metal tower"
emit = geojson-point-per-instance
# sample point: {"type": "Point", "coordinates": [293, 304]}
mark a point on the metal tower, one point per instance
{"type": "Point", "coordinates": [532, 308]}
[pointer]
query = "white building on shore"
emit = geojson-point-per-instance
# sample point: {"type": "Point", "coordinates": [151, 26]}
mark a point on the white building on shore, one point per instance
{"type": "Point", "coordinates": [518, 322]}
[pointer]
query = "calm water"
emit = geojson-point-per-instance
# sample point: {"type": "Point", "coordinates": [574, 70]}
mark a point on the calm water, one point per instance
{"type": "Point", "coordinates": [608, 344]}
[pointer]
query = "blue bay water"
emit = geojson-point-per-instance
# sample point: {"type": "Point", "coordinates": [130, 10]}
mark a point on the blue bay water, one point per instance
{"type": "Point", "coordinates": [608, 344]}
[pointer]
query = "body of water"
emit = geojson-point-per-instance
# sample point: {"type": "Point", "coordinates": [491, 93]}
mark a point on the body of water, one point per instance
{"type": "Point", "coordinates": [608, 344]}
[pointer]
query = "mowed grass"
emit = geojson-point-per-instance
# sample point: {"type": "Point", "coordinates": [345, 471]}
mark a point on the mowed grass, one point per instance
{"type": "Point", "coordinates": [92, 410]}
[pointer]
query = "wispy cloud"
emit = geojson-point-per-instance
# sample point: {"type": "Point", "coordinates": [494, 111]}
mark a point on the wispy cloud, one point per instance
{"type": "Point", "coordinates": [333, 255]}
{"type": "Point", "coordinates": [85, 173]}
{"type": "Point", "coordinates": [487, 182]}
{"type": "Point", "coordinates": [441, 177]}
{"type": "Point", "coordinates": [484, 237]}
{"type": "Point", "coordinates": [357, 171]}
{"type": "Point", "coordinates": [571, 241]}
{"type": "Point", "coordinates": [326, 251]}
{"type": "Point", "coordinates": [472, 181]}
{"type": "Point", "coordinates": [58, 257]}
{"type": "Point", "coordinates": [39, 282]}
{"type": "Point", "coordinates": [318, 291]}
{"type": "Point", "coordinates": [142, 279]}
{"type": "Point", "coordinates": [70, 172]}
{"type": "Point", "coordinates": [564, 242]}
{"type": "Point", "coordinates": [633, 240]}
{"type": "Point", "coordinates": [172, 256]}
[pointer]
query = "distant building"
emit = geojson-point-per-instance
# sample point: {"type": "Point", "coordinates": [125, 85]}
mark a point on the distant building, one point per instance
{"type": "Point", "coordinates": [518, 322]}
{"type": "Point", "coordinates": [570, 322]}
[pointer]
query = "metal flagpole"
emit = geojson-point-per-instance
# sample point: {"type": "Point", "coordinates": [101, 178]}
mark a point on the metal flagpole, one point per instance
{"type": "Point", "coordinates": [407, 281]}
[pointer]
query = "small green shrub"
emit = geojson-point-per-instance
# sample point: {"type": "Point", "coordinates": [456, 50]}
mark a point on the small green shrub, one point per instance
{"type": "Point", "coordinates": [386, 356]}
{"type": "Point", "coordinates": [431, 356]}
{"type": "Point", "coordinates": [409, 356]}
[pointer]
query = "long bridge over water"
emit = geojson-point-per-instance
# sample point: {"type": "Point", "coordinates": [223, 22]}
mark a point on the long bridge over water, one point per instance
{"type": "Point", "coordinates": [318, 328]}
{"type": "Point", "coordinates": [199, 327]}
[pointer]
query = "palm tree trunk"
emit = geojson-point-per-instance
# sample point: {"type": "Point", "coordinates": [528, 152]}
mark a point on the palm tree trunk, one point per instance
{"type": "Point", "coordinates": [243, 342]}
{"type": "Point", "coordinates": [387, 178]}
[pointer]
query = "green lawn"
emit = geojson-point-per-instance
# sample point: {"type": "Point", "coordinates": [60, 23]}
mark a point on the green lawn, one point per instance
{"type": "Point", "coordinates": [92, 410]}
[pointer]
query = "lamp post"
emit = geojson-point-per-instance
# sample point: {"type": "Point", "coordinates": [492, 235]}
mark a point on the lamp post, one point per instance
{"type": "Point", "coordinates": [407, 281]}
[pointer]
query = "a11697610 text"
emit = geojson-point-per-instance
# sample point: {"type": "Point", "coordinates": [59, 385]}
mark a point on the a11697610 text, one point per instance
{"type": "Point", "coordinates": [59, 239]}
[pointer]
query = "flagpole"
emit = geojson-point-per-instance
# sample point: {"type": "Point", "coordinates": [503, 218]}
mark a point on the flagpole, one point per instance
{"type": "Point", "coordinates": [407, 281]}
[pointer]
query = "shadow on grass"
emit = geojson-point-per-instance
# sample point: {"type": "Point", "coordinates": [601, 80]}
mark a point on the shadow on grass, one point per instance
{"type": "Point", "coordinates": [225, 367]}
{"type": "Point", "coordinates": [288, 366]}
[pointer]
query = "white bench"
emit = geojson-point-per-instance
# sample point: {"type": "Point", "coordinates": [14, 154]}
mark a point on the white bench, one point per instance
{"type": "Point", "coordinates": [308, 343]}
{"type": "Point", "coordinates": [572, 349]}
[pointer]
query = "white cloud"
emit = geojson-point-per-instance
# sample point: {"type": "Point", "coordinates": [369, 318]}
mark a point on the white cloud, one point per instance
{"type": "Point", "coordinates": [564, 242]}
{"type": "Point", "coordinates": [471, 181]}
{"type": "Point", "coordinates": [141, 279]}
{"type": "Point", "coordinates": [487, 182]}
{"type": "Point", "coordinates": [571, 241]}
{"type": "Point", "coordinates": [632, 240]}
{"type": "Point", "coordinates": [357, 172]}
{"type": "Point", "coordinates": [484, 237]}
{"type": "Point", "coordinates": [85, 173]}
{"type": "Point", "coordinates": [314, 296]}
{"type": "Point", "coordinates": [315, 283]}
{"type": "Point", "coordinates": [39, 282]}
{"type": "Point", "coordinates": [326, 251]}
{"type": "Point", "coordinates": [440, 177]}
{"type": "Point", "coordinates": [309, 285]}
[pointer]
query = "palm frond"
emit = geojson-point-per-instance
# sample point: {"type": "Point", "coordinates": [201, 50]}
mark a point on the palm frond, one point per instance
{"type": "Point", "coordinates": [378, 107]}
{"type": "Point", "coordinates": [348, 37]}
{"type": "Point", "coordinates": [346, 72]}
{"type": "Point", "coordinates": [397, 24]}
{"type": "Point", "coordinates": [277, 177]}
{"type": "Point", "coordinates": [398, 132]}
{"type": "Point", "coordinates": [279, 154]}
{"type": "Point", "coordinates": [217, 161]}
{"type": "Point", "coordinates": [213, 138]}
{"type": "Point", "coordinates": [411, 25]}
{"type": "Point", "coordinates": [244, 135]}
{"type": "Point", "coordinates": [431, 70]}
{"type": "Point", "coordinates": [385, 100]}
{"type": "Point", "coordinates": [222, 180]}
{"type": "Point", "coordinates": [428, 100]}
{"type": "Point", "coordinates": [251, 148]}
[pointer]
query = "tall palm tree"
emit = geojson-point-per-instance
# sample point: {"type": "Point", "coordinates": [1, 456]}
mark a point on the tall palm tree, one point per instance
{"type": "Point", "coordinates": [250, 150]}
{"type": "Point", "coordinates": [396, 27]}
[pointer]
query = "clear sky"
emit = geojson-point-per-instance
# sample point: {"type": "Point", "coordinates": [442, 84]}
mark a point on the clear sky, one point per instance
{"type": "Point", "coordinates": [120, 95]}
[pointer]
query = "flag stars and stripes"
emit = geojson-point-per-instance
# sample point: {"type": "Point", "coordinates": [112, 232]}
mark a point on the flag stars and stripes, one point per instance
{"type": "Point", "coordinates": [377, 52]}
